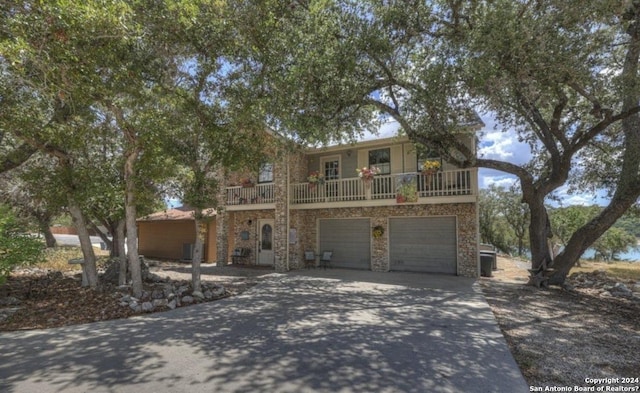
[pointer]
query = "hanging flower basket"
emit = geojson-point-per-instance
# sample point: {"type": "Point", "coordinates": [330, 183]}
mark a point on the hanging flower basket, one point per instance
{"type": "Point", "coordinates": [315, 178]}
{"type": "Point", "coordinates": [246, 183]}
{"type": "Point", "coordinates": [378, 231]}
{"type": "Point", "coordinates": [429, 167]}
{"type": "Point", "coordinates": [367, 174]}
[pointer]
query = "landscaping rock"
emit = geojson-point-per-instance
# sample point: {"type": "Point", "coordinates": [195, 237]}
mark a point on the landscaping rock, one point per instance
{"type": "Point", "coordinates": [147, 307]}
{"type": "Point", "coordinates": [172, 304]}
{"type": "Point", "coordinates": [620, 287]}
{"type": "Point", "coordinates": [112, 271]}
{"type": "Point", "coordinates": [7, 312]}
{"type": "Point", "coordinates": [218, 290]}
{"type": "Point", "coordinates": [187, 300]}
{"type": "Point", "coordinates": [160, 302]}
{"type": "Point", "coordinates": [9, 301]}
{"type": "Point", "coordinates": [157, 294]}
{"type": "Point", "coordinates": [182, 289]}
{"type": "Point", "coordinates": [198, 295]}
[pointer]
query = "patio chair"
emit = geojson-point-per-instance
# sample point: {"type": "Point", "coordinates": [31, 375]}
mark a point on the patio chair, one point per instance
{"type": "Point", "coordinates": [325, 259]}
{"type": "Point", "coordinates": [309, 259]}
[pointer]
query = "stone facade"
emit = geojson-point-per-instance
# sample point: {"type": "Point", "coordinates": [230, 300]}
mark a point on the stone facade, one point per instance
{"type": "Point", "coordinates": [296, 230]}
{"type": "Point", "coordinates": [465, 214]}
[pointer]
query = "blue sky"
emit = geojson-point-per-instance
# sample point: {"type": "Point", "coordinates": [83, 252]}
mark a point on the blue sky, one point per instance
{"type": "Point", "coordinates": [504, 146]}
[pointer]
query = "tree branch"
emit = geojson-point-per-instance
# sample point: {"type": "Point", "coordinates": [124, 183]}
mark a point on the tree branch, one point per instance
{"type": "Point", "coordinates": [17, 157]}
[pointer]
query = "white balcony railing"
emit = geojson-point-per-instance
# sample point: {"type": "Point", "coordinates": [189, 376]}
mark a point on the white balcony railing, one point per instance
{"type": "Point", "coordinates": [439, 184]}
{"type": "Point", "coordinates": [261, 193]}
{"type": "Point", "coordinates": [387, 187]}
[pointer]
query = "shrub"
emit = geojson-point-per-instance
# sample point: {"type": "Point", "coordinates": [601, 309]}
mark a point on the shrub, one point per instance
{"type": "Point", "coordinates": [17, 248]}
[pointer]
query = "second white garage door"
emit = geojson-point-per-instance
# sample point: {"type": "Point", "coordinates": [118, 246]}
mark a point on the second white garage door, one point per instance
{"type": "Point", "coordinates": [350, 241]}
{"type": "Point", "coordinates": [423, 244]}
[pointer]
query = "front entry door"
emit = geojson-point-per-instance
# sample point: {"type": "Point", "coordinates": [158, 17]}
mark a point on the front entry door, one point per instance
{"type": "Point", "coordinates": [266, 255]}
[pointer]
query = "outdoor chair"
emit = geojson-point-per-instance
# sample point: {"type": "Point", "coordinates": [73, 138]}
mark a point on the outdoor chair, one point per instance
{"type": "Point", "coordinates": [325, 260]}
{"type": "Point", "coordinates": [309, 259]}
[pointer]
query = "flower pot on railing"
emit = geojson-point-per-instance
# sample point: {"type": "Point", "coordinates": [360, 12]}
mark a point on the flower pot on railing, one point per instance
{"type": "Point", "coordinates": [367, 175]}
{"type": "Point", "coordinates": [314, 179]}
{"type": "Point", "coordinates": [429, 169]}
{"type": "Point", "coordinates": [247, 183]}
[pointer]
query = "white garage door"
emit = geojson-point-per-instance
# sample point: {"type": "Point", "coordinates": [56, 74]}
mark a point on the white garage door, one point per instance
{"type": "Point", "coordinates": [350, 241]}
{"type": "Point", "coordinates": [423, 244]}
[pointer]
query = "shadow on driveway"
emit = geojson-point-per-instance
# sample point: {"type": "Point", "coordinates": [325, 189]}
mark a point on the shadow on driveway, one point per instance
{"type": "Point", "coordinates": [290, 333]}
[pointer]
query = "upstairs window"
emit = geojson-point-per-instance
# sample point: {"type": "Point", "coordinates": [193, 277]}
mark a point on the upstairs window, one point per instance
{"type": "Point", "coordinates": [425, 154]}
{"type": "Point", "coordinates": [381, 158]}
{"type": "Point", "coordinates": [331, 168]}
{"type": "Point", "coordinates": [265, 175]}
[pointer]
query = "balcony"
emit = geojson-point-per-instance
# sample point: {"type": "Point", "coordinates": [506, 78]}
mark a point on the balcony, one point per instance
{"type": "Point", "coordinates": [441, 187]}
{"type": "Point", "coordinates": [261, 196]}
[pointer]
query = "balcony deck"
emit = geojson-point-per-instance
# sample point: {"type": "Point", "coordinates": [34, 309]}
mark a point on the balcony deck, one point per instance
{"type": "Point", "coordinates": [441, 187]}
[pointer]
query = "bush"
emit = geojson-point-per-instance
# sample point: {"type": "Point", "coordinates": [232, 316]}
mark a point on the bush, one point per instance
{"type": "Point", "coordinates": [17, 248]}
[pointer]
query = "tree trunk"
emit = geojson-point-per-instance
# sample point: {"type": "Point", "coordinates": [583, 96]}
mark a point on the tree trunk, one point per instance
{"type": "Point", "coordinates": [119, 250]}
{"type": "Point", "coordinates": [585, 236]}
{"type": "Point", "coordinates": [539, 232]}
{"type": "Point", "coordinates": [103, 236]}
{"type": "Point", "coordinates": [89, 265]}
{"type": "Point", "coordinates": [197, 253]}
{"type": "Point", "coordinates": [132, 230]}
{"type": "Point", "coordinates": [45, 228]}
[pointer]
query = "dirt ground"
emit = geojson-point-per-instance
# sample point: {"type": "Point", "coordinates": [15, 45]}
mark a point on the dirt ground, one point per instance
{"type": "Point", "coordinates": [39, 299]}
{"type": "Point", "coordinates": [564, 337]}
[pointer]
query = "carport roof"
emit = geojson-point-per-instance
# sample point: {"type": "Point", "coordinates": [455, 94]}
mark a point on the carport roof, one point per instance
{"type": "Point", "coordinates": [182, 213]}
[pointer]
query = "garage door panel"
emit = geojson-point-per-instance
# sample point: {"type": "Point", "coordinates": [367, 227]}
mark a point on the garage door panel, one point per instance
{"type": "Point", "coordinates": [350, 241]}
{"type": "Point", "coordinates": [423, 244]}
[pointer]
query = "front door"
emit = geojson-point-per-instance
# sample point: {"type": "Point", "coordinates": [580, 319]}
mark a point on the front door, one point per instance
{"type": "Point", "coordinates": [266, 255]}
{"type": "Point", "coordinates": [331, 169]}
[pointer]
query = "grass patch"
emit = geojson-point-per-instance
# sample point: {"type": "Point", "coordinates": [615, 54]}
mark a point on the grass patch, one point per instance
{"type": "Point", "coordinates": [620, 270]}
{"type": "Point", "coordinates": [57, 258]}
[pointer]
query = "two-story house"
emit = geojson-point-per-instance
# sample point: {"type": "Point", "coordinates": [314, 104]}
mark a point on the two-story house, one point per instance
{"type": "Point", "coordinates": [402, 218]}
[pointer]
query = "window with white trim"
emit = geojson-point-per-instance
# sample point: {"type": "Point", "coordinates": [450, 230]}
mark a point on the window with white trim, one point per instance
{"type": "Point", "coordinates": [381, 159]}
{"type": "Point", "coordinates": [265, 175]}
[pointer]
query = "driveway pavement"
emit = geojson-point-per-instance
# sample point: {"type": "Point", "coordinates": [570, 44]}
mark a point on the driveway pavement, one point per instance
{"type": "Point", "coordinates": [299, 332]}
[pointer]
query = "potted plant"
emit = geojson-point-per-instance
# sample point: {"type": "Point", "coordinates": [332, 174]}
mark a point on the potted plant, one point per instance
{"type": "Point", "coordinates": [377, 231]}
{"type": "Point", "coordinates": [429, 167]}
{"type": "Point", "coordinates": [367, 174]}
{"type": "Point", "coordinates": [246, 182]}
{"type": "Point", "coordinates": [314, 179]}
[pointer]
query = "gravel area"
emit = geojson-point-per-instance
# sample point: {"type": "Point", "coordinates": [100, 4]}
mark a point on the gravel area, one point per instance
{"type": "Point", "coordinates": [566, 338]}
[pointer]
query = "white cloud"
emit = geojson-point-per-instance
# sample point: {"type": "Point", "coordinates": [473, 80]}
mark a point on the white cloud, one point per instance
{"type": "Point", "coordinates": [386, 130]}
{"type": "Point", "coordinates": [582, 199]}
{"type": "Point", "coordinates": [487, 177]}
{"type": "Point", "coordinates": [498, 144]}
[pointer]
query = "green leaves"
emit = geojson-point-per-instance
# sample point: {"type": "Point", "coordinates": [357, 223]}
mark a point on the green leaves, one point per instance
{"type": "Point", "coordinates": [17, 247]}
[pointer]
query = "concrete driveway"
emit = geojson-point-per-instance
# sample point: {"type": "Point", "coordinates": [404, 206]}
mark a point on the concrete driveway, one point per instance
{"type": "Point", "coordinates": [299, 332]}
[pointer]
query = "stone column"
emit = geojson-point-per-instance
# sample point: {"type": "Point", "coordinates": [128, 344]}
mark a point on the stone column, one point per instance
{"type": "Point", "coordinates": [222, 222]}
{"type": "Point", "coordinates": [281, 230]}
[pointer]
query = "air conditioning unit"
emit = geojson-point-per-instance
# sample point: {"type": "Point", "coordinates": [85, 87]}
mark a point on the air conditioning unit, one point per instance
{"type": "Point", "coordinates": [187, 251]}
